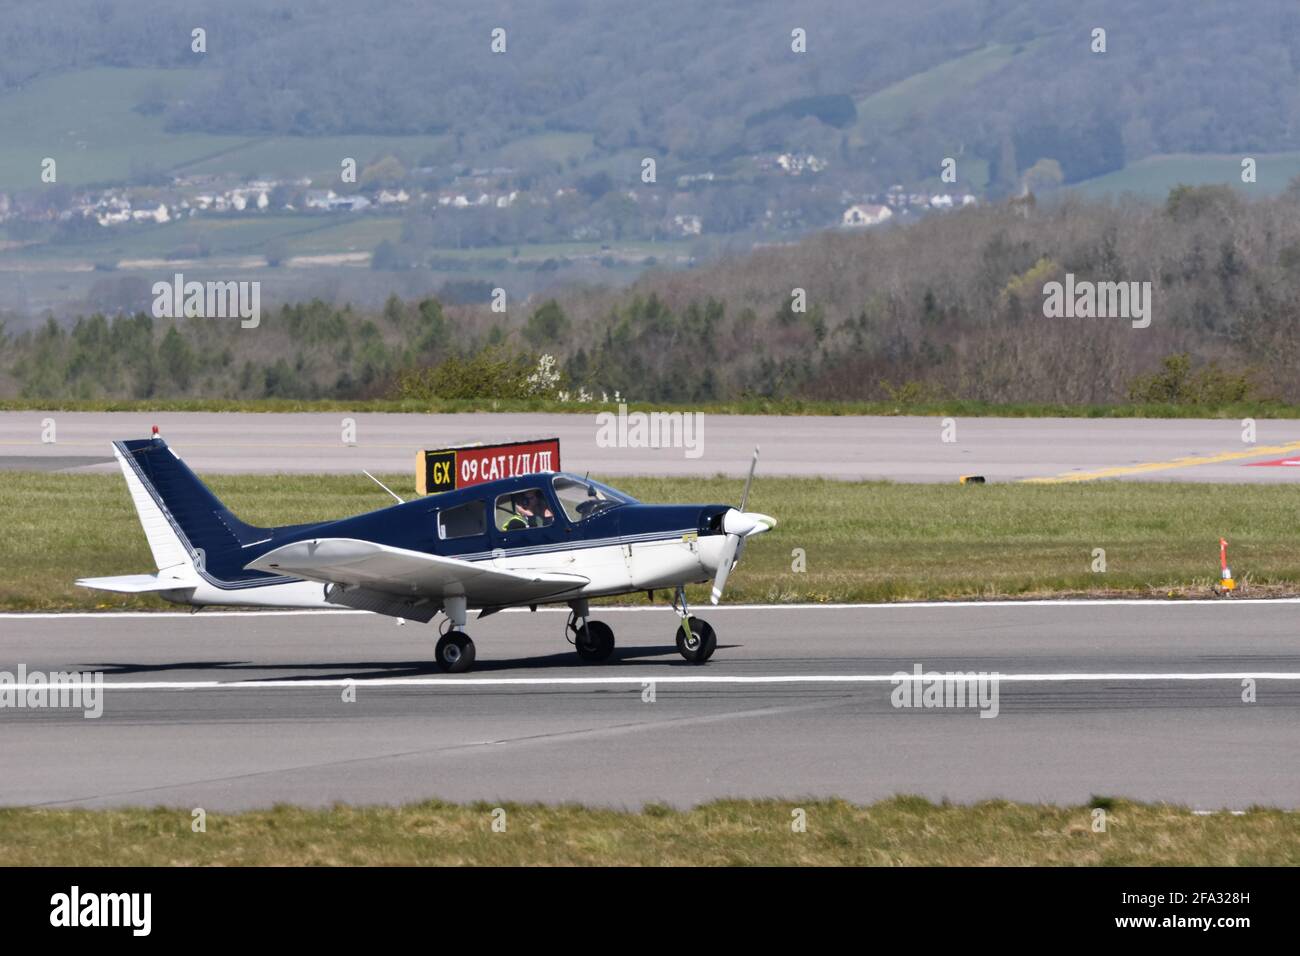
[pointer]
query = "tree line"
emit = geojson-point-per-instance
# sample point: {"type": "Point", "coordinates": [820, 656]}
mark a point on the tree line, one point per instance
{"type": "Point", "coordinates": [950, 307]}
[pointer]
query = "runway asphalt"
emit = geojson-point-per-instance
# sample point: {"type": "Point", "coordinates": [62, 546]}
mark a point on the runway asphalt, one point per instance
{"type": "Point", "coordinates": [847, 447]}
{"type": "Point", "coordinates": [230, 711]}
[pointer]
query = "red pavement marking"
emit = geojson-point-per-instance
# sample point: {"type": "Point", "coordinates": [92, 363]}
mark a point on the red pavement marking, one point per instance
{"type": "Point", "coordinates": [1287, 462]}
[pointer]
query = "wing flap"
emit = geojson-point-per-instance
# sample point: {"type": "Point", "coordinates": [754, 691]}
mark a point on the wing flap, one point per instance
{"type": "Point", "coordinates": [352, 563]}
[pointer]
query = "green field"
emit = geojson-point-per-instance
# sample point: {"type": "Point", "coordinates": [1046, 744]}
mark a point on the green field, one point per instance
{"type": "Point", "coordinates": [318, 157]}
{"type": "Point", "coordinates": [222, 236]}
{"type": "Point", "coordinates": [559, 148]}
{"type": "Point", "coordinates": [1154, 176]}
{"type": "Point", "coordinates": [865, 541]}
{"type": "Point", "coordinates": [85, 120]}
{"type": "Point", "coordinates": [902, 831]}
{"type": "Point", "coordinates": [915, 96]}
{"type": "Point", "coordinates": [921, 92]}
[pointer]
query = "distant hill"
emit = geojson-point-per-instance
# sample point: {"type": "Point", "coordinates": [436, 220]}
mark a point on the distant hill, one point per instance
{"type": "Point", "coordinates": [886, 89]}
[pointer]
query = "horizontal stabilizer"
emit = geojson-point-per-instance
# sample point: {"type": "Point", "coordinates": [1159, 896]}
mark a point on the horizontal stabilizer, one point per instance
{"type": "Point", "coordinates": [138, 583]}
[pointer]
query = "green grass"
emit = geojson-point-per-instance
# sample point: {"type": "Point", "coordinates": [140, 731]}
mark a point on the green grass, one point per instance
{"type": "Point", "coordinates": [1154, 176]}
{"type": "Point", "coordinates": [902, 831]}
{"type": "Point", "coordinates": [866, 541]}
{"type": "Point", "coordinates": [756, 406]}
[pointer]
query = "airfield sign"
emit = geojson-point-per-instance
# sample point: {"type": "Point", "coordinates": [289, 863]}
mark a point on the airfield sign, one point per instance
{"type": "Point", "coordinates": [447, 469]}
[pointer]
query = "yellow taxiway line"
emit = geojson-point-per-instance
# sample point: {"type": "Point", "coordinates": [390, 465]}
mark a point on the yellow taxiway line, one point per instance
{"type": "Point", "coordinates": [1190, 460]}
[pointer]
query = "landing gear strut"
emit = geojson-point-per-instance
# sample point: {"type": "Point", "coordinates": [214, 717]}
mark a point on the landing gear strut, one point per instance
{"type": "Point", "coordinates": [455, 651]}
{"type": "Point", "coordinates": [696, 640]}
{"type": "Point", "coordinates": [593, 640]}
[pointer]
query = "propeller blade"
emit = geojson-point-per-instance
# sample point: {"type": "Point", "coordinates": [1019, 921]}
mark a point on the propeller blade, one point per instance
{"type": "Point", "coordinates": [738, 525]}
{"type": "Point", "coordinates": [744, 499]}
{"type": "Point", "coordinates": [724, 566]}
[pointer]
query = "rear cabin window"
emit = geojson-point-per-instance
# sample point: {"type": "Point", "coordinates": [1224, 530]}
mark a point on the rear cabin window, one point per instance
{"type": "Point", "coordinates": [462, 521]}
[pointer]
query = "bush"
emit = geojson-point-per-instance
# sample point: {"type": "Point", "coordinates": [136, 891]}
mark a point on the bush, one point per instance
{"type": "Point", "coordinates": [1177, 384]}
{"type": "Point", "coordinates": [489, 373]}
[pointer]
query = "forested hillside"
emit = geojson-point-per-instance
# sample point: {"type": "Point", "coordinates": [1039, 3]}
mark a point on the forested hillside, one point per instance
{"type": "Point", "coordinates": [951, 307]}
{"type": "Point", "coordinates": [886, 87]}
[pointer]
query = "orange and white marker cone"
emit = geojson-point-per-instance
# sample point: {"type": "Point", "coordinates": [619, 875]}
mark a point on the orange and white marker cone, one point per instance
{"type": "Point", "coordinates": [1227, 583]}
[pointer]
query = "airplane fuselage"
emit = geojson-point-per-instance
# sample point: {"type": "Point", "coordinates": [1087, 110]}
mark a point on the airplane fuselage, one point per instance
{"type": "Point", "coordinates": [626, 547]}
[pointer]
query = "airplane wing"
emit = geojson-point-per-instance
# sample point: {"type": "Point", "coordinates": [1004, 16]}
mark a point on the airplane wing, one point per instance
{"type": "Point", "coordinates": [352, 563]}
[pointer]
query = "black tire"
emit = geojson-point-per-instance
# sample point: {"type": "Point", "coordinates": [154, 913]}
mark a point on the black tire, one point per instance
{"type": "Point", "coordinates": [595, 642]}
{"type": "Point", "coordinates": [700, 645]}
{"type": "Point", "coordinates": [454, 653]}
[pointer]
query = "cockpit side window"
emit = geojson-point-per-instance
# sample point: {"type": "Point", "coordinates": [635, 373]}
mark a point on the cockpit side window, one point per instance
{"type": "Point", "coordinates": [519, 510]}
{"type": "Point", "coordinates": [582, 499]}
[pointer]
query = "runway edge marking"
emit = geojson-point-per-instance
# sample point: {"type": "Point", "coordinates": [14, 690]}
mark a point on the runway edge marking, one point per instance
{"type": "Point", "coordinates": [641, 608]}
{"type": "Point", "coordinates": [336, 682]}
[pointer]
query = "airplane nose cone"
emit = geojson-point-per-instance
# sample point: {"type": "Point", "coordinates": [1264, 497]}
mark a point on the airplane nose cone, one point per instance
{"type": "Point", "coordinates": [746, 523]}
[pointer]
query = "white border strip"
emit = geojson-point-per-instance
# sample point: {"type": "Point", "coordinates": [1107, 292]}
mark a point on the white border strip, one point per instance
{"type": "Point", "coordinates": [661, 608]}
{"type": "Point", "coordinates": [336, 682]}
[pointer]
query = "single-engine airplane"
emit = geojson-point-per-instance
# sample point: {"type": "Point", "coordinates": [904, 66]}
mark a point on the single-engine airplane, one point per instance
{"type": "Point", "coordinates": [544, 538]}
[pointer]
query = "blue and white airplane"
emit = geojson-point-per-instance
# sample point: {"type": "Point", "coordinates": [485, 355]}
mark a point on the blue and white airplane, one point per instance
{"type": "Point", "coordinates": [545, 538]}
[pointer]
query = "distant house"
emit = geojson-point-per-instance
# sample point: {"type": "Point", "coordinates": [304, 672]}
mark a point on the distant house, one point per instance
{"type": "Point", "coordinates": [349, 203]}
{"type": "Point", "coordinates": [159, 215]}
{"type": "Point", "coordinates": [688, 224]}
{"type": "Point", "coordinates": [316, 198]}
{"type": "Point", "coordinates": [795, 164]}
{"type": "Point", "coordinates": [865, 214]}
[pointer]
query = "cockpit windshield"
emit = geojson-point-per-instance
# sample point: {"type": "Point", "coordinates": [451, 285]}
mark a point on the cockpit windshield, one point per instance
{"type": "Point", "coordinates": [581, 497]}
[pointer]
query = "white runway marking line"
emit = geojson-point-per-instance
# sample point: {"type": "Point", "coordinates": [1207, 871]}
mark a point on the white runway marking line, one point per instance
{"type": "Point", "coordinates": [662, 608]}
{"type": "Point", "coordinates": [337, 682]}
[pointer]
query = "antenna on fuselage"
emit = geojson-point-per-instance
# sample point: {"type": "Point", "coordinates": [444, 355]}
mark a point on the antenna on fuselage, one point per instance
{"type": "Point", "coordinates": [400, 499]}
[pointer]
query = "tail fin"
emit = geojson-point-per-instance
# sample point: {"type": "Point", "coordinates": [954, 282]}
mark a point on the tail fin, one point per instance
{"type": "Point", "coordinates": [187, 527]}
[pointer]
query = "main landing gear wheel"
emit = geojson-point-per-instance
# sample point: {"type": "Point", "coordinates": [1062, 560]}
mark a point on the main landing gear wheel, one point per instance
{"type": "Point", "coordinates": [595, 642]}
{"type": "Point", "coordinates": [455, 652]}
{"type": "Point", "coordinates": [697, 645]}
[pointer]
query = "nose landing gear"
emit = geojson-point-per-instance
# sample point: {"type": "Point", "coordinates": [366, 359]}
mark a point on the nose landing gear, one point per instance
{"type": "Point", "coordinates": [696, 640]}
